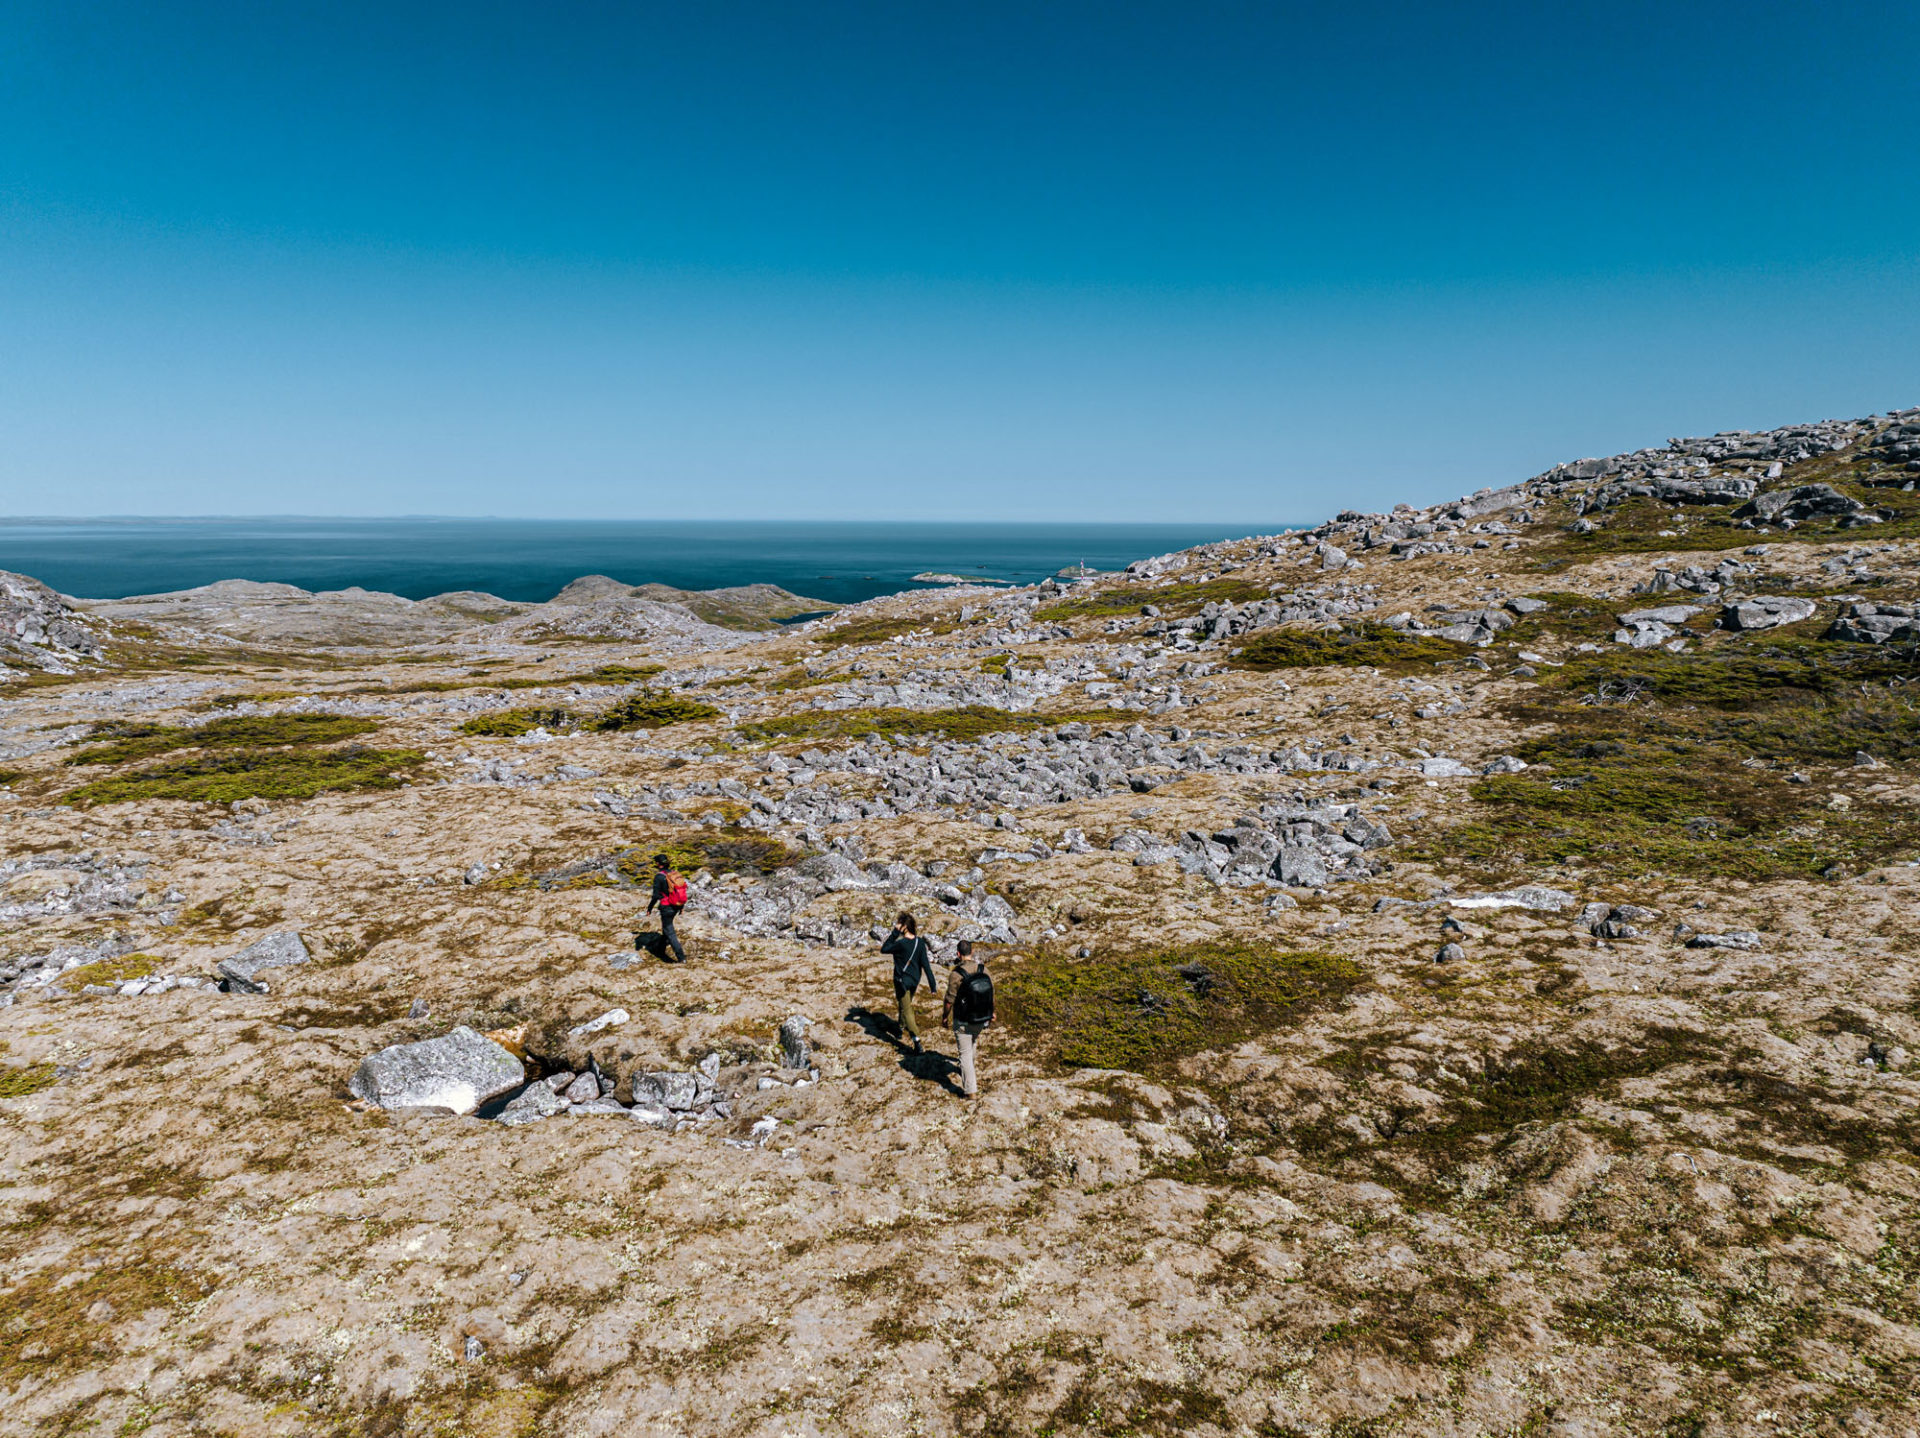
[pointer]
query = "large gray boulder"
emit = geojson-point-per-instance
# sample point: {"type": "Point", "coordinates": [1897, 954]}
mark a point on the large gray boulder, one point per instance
{"type": "Point", "coordinates": [460, 1071]}
{"type": "Point", "coordinates": [1300, 866]}
{"type": "Point", "coordinates": [275, 951]}
{"type": "Point", "coordinates": [1875, 623]}
{"type": "Point", "coordinates": [795, 1051]}
{"type": "Point", "coordinates": [1767, 611]}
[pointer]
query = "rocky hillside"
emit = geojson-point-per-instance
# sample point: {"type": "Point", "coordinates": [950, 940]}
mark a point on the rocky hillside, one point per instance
{"type": "Point", "coordinates": [1455, 975]}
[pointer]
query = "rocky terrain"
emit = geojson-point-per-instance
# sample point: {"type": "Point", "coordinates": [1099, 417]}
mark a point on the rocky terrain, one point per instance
{"type": "Point", "coordinates": [1455, 967]}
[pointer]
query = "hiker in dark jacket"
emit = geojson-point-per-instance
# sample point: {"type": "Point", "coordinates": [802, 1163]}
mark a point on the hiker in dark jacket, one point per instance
{"type": "Point", "coordinates": [670, 896]}
{"type": "Point", "coordinates": [911, 960]}
{"type": "Point", "coordinates": [969, 1007]}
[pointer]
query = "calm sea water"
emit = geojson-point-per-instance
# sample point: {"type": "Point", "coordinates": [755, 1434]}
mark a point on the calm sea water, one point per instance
{"type": "Point", "coordinates": [531, 560]}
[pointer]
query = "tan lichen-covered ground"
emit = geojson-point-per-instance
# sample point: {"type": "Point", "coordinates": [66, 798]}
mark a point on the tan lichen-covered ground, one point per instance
{"type": "Point", "coordinates": [1561, 1185]}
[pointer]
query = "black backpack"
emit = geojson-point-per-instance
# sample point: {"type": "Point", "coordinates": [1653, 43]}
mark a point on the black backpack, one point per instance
{"type": "Point", "coordinates": [973, 999]}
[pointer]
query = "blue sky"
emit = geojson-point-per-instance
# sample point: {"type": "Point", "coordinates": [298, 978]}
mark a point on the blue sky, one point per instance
{"type": "Point", "coordinates": [1051, 261]}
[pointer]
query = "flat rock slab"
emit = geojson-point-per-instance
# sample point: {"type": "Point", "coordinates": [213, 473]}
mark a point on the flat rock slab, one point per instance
{"type": "Point", "coordinates": [275, 951]}
{"type": "Point", "coordinates": [1527, 896]}
{"type": "Point", "coordinates": [459, 1071]}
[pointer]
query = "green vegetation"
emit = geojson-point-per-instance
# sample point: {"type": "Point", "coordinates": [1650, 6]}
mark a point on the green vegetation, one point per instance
{"type": "Point", "coordinates": [1146, 1011]}
{"type": "Point", "coordinates": [1661, 762]}
{"type": "Point", "coordinates": [19, 1082]}
{"type": "Point", "coordinates": [11, 776]}
{"type": "Point", "coordinates": [221, 778]}
{"type": "Point", "coordinates": [109, 971]}
{"type": "Point", "coordinates": [622, 673]}
{"type": "Point", "coordinates": [723, 851]}
{"type": "Point", "coordinates": [648, 709]}
{"type": "Point", "coordinates": [799, 679]}
{"type": "Point", "coordinates": [1375, 645]}
{"type": "Point", "coordinates": [651, 709]}
{"type": "Point", "coordinates": [132, 742]}
{"type": "Point", "coordinates": [958, 724]}
{"type": "Point", "coordinates": [1172, 600]}
{"type": "Point", "coordinates": [878, 630]}
{"type": "Point", "coordinates": [1646, 526]}
{"type": "Point", "coordinates": [512, 723]}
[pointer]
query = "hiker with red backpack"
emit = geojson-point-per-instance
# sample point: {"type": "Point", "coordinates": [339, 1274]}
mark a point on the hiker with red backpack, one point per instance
{"type": "Point", "coordinates": [670, 896]}
{"type": "Point", "coordinates": [969, 1008]}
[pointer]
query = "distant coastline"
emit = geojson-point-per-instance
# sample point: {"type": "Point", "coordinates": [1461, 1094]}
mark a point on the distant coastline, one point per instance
{"type": "Point", "coordinates": [529, 561]}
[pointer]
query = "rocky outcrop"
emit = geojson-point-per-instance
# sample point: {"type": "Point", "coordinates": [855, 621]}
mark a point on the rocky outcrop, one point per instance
{"type": "Point", "coordinates": [42, 629]}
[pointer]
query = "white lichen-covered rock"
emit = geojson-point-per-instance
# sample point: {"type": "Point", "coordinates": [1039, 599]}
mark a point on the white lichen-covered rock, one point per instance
{"type": "Point", "coordinates": [459, 1071]}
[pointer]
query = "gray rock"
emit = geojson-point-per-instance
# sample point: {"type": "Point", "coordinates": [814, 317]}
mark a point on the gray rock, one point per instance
{"type": "Point", "coordinates": [1441, 767]}
{"type": "Point", "coordinates": [1526, 606]}
{"type": "Point", "coordinates": [1300, 866]}
{"type": "Point", "coordinates": [419, 1009]}
{"type": "Point", "coordinates": [1450, 954]}
{"type": "Point", "coordinates": [559, 1082]}
{"type": "Point", "coordinates": [1663, 614]}
{"type": "Point", "coordinates": [275, 951]}
{"type": "Point", "coordinates": [672, 1091]}
{"type": "Point", "coordinates": [533, 1103]}
{"type": "Point", "coordinates": [1505, 764]}
{"type": "Point", "coordinates": [795, 1051]}
{"type": "Point", "coordinates": [1767, 612]}
{"type": "Point", "coordinates": [710, 1067]}
{"type": "Point", "coordinates": [1807, 501]}
{"type": "Point", "coordinates": [1615, 929]}
{"type": "Point", "coordinates": [585, 1087]}
{"type": "Point", "coordinates": [600, 1106]}
{"type": "Point", "coordinates": [1746, 939]}
{"type": "Point", "coordinates": [459, 1071]}
{"type": "Point", "coordinates": [1528, 896]}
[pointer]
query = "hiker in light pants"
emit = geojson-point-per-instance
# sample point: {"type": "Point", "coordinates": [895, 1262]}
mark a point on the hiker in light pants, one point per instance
{"type": "Point", "coordinates": [969, 1007]}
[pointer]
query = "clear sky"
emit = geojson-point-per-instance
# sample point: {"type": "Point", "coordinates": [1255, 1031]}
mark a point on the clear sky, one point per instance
{"type": "Point", "coordinates": [917, 260]}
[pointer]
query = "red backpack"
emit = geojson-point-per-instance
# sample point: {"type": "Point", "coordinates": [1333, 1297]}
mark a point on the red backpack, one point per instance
{"type": "Point", "coordinates": [676, 895]}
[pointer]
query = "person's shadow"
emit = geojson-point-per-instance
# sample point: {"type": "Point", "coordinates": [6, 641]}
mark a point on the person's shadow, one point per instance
{"type": "Point", "coordinates": [929, 1067]}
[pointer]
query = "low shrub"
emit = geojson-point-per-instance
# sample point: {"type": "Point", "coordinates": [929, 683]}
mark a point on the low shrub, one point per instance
{"type": "Point", "coordinates": [650, 709]}
{"type": "Point", "coordinates": [221, 778]}
{"type": "Point", "coordinates": [972, 722]}
{"type": "Point", "coordinates": [1375, 645]}
{"type": "Point", "coordinates": [512, 723]}
{"type": "Point", "coordinates": [1172, 600]}
{"type": "Point", "coordinates": [1146, 1011]}
{"type": "Point", "coordinates": [131, 742]}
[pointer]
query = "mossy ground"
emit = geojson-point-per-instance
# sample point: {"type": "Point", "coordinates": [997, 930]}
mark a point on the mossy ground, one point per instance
{"type": "Point", "coordinates": [1173, 600]}
{"type": "Point", "coordinates": [18, 1082]}
{"type": "Point", "coordinates": [129, 743]}
{"type": "Point", "coordinates": [1145, 1011]}
{"type": "Point", "coordinates": [109, 971]}
{"type": "Point", "coordinates": [1655, 762]}
{"type": "Point", "coordinates": [971, 722]}
{"type": "Point", "coordinates": [1374, 645]}
{"type": "Point", "coordinates": [1648, 526]}
{"type": "Point", "coordinates": [879, 630]}
{"type": "Point", "coordinates": [648, 709]}
{"type": "Point", "coordinates": [222, 778]}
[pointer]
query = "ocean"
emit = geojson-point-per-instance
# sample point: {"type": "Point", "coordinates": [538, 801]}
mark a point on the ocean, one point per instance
{"type": "Point", "coordinates": [531, 560]}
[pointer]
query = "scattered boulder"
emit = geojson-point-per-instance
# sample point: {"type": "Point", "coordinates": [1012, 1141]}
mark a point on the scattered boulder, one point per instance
{"type": "Point", "coordinates": [1803, 502]}
{"type": "Point", "coordinates": [1876, 623]}
{"type": "Point", "coordinates": [1767, 612]}
{"type": "Point", "coordinates": [459, 1071]}
{"type": "Point", "coordinates": [795, 1051]}
{"type": "Point", "coordinates": [533, 1103]}
{"type": "Point", "coordinates": [275, 951]}
{"type": "Point", "coordinates": [1528, 896]}
{"type": "Point", "coordinates": [1746, 939]}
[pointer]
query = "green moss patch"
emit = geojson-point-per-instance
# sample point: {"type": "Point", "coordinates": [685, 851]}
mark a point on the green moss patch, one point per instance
{"type": "Point", "coordinates": [722, 851]}
{"type": "Point", "coordinates": [1375, 645]}
{"type": "Point", "coordinates": [1172, 600]}
{"type": "Point", "coordinates": [109, 971]}
{"type": "Point", "coordinates": [132, 742]}
{"type": "Point", "coordinates": [1146, 1011]}
{"type": "Point", "coordinates": [512, 723]}
{"type": "Point", "coordinates": [650, 709]}
{"type": "Point", "coordinates": [18, 1082]}
{"type": "Point", "coordinates": [221, 778]}
{"type": "Point", "coordinates": [879, 630]}
{"type": "Point", "coordinates": [972, 722]}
